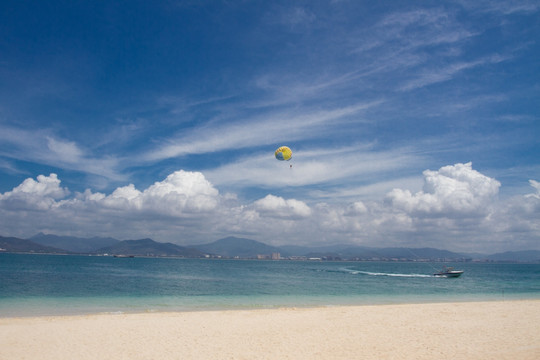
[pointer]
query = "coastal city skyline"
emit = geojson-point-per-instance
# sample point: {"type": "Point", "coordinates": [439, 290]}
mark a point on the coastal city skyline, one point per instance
{"type": "Point", "coordinates": [410, 125]}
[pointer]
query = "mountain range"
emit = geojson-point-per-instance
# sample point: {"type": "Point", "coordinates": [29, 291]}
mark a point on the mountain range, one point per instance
{"type": "Point", "coordinates": [233, 247]}
{"type": "Point", "coordinates": [73, 244]}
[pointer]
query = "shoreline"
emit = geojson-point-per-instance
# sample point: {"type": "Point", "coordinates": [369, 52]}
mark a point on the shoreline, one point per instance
{"type": "Point", "coordinates": [88, 310]}
{"type": "Point", "coordinates": [485, 329]}
{"type": "Point", "coordinates": [58, 309]}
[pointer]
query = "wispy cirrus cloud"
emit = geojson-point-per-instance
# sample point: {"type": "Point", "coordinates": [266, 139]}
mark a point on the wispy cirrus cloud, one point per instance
{"type": "Point", "coordinates": [396, 45]}
{"type": "Point", "coordinates": [45, 147]}
{"type": "Point", "coordinates": [342, 168]}
{"type": "Point", "coordinates": [428, 77]}
{"type": "Point", "coordinates": [502, 7]}
{"type": "Point", "coordinates": [410, 32]}
{"type": "Point", "coordinates": [262, 130]}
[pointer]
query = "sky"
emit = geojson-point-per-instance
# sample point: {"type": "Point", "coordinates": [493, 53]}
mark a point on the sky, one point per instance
{"type": "Point", "coordinates": [412, 123]}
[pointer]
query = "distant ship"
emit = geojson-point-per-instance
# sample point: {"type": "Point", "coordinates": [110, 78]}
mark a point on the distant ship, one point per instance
{"type": "Point", "coordinates": [449, 272]}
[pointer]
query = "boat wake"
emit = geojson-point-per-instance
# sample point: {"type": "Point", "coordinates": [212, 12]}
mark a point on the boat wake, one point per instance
{"type": "Point", "coordinates": [370, 273]}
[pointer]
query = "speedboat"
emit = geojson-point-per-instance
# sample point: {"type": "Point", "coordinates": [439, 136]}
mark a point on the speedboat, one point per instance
{"type": "Point", "coordinates": [449, 272]}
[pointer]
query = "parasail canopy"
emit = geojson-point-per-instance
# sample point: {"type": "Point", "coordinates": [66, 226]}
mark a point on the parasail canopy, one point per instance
{"type": "Point", "coordinates": [283, 153]}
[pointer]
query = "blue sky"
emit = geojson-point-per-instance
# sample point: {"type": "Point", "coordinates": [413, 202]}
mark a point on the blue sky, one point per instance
{"type": "Point", "coordinates": [411, 123]}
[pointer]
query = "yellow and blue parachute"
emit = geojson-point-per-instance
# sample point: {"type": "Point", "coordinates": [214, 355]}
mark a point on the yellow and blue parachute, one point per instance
{"type": "Point", "coordinates": [283, 153]}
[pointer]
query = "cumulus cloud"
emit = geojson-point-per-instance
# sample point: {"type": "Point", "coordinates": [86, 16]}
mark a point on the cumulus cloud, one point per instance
{"type": "Point", "coordinates": [180, 193]}
{"type": "Point", "coordinates": [527, 206]}
{"type": "Point", "coordinates": [31, 194]}
{"type": "Point", "coordinates": [279, 207]}
{"type": "Point", "coordinates": [515, 224]}
{"type": "Point", "coordinates": [356, 208]}
{"type": "Point", "coordinates": [455, 190]}
{"type": "Point", "coordinates": [456, 203]}
{"type": "Point", "coordinates": [183, 199]}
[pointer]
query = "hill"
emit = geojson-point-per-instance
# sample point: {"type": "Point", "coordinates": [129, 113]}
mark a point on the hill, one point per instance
{"type": "Point", "coordinates": [404, 253]}
{"type": "Point", "coordinates": [363, 252]}
{"type": "Point", "coordinates": [13, 244]}
{"type": "Point", "coordinates": [246, 248]}
{"type": "Point", "coordinates": [72, 243]}
{"type": "Point", "coordinates": [236, 247]}
{"type": "Point", "coordinates": [512, 256]}
{"type": "Point", "coordinates": [149, 247]}
{"type": "Point", "coordinates": [233, 247]}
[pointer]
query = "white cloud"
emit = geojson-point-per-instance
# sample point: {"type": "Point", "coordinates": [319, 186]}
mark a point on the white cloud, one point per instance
{"type": "Point", "coordinates": [297, 16]}
{"type": "Point", "coordinates": [253, 132]}
{"type": "Point", "coordinates": [371, 191]}
{"type": "Point", "coordinates": [515, 225]}
{"type": "Point", "coordinates": [397, 40]}
{"type": "Point", "coordinates": [44, 186]}
{"type": "Point", "coordinates": [32, 194]}
{"type": "Point", "coordinates": [526, 207]}
{"type": "Point", "coordinates": [433, 76]}
{"type": "Point", "coordinates": [10, 168]}
{"type": "Point", "coordinates": [66, 151]}
{"type": "Point", "coordinates": [356, 208]}
{"type": "Point", "coordinates": [419, 17]}
{"type": "Point", "coordinates": [313, 166]}
{"type": "Point", "coordinates": [43, 147]}
{"type": "Point", "coordinates": [162, 211]}
{"type": "Point", "coordinates": [181, 193]}
{"type": "Point", "coordinates": [503, 7]}
{"type": "Point", "coordinates": [536, 185]}
{"type": "Point", "coordinates": [458, 209]}
{"type": "Point", "coordinates": [452, 191]}
{"type": "Point", "coordinates": [123, 198]}
{"type": "Point", "coordinates": [278, 207]}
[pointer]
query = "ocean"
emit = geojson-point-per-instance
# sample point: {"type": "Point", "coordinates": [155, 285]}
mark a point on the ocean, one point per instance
{"type": "Point", "coordinates": [35, 285]}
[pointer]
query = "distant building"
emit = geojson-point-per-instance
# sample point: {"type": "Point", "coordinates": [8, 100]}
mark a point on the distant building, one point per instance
{"type": "Point", "coordinates": [276, 256]}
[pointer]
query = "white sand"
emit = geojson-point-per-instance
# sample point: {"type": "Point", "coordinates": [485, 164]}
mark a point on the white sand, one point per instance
{"type": "Point", "coordinates": [481, 330]}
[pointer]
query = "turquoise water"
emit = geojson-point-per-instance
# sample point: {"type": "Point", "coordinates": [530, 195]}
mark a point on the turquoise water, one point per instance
{"type": "Point", "coordinates": [50, 285]}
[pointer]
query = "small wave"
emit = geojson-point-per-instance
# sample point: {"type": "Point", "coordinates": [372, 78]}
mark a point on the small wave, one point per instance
{"type": "Point", "coordinates": [357, 272]}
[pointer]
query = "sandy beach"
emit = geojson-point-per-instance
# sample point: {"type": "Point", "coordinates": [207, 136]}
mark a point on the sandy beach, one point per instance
{"type": "Point", "coordinates": [469, 330]}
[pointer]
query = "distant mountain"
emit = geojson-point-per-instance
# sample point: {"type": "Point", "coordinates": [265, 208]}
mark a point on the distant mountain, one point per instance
{"type": "Point", "coordinates": [237, 247]}
{"type": "Point", "coordinates": [363, 252]}
{"type": "Point", "coordinates": [232, 247]}
{"type": "Point", "coordinates": [12, 244]}
{"type": "Point", "coordinates": [72, 243]}
{"type": "Point", "coordinates": [149, 247]}
{"type": "Point", "coordinates": [524, 256]}
{"type": "Point", "coordinates": [404, 253]}
{"type": "Point", "coordinates": [246, 248]}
